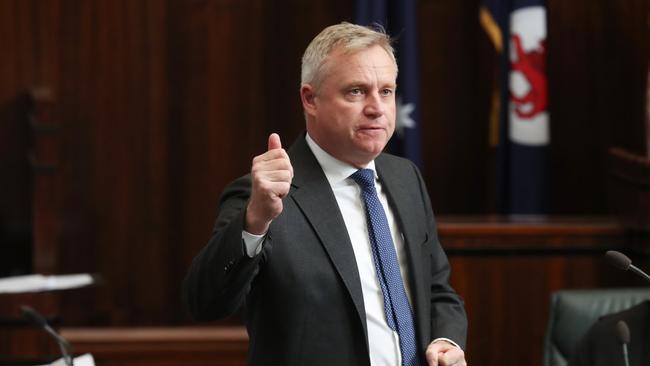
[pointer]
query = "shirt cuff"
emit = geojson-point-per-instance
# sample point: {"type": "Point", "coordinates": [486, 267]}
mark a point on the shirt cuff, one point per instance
{"type": "Point", "coordinates": [447, 340]}
{"type": "Point", "coordinates": [252, 243]}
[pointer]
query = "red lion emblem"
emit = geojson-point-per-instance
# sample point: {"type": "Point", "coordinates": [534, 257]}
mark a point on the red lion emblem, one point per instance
{"type": "Point", "coordinates": [532, 66]}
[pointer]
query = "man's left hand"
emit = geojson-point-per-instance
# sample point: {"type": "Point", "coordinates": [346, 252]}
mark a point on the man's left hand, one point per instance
{"type": "Point", "coordinates": [442, 353]}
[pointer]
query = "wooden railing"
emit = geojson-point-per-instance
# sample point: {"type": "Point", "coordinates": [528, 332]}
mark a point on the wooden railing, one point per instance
{"type": "Point", "coordinates": [161, 346]}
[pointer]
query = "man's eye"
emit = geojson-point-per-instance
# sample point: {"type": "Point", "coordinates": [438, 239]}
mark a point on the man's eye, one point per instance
{"type": "Point", "coordinates": [387, 92]}
{"type": "Point", "coordinates": [356, 91]}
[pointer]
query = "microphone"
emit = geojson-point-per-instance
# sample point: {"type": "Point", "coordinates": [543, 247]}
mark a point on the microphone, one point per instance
{"type": "Point", "coordinates": [38, 320]}
{"type": "Point", "coordinates": [621, 261]}
{"type": "Point", "coordinates": [623, 333]}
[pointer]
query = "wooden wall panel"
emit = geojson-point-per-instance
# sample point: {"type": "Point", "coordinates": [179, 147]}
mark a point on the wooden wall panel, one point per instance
{"type": "Point", "coordinates": [113, 98]}
{"type": "Point", "coordinates": [15, 182]}
{"type": "Point", "coordinates": [597, 66]}
{"type": "Point", "coordinates": [456, 75]}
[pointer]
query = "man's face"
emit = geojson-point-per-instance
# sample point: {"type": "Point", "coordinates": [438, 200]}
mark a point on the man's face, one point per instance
{"type": "Point", "coordinates": [352, 114]}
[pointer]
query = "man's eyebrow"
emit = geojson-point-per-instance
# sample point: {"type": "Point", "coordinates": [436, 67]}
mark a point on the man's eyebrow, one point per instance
{"type": "Point", "coordinates": [356, 83]}
{"type": "Point", "coordinates": [366, 83]}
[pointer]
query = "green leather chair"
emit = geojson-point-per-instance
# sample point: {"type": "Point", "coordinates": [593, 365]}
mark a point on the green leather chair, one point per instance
{"type": "Point", "coordinates": [573, 312]}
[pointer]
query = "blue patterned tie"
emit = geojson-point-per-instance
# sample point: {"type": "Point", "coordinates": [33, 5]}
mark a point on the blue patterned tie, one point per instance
{"type": "Point", "coordinates": [396, 304]}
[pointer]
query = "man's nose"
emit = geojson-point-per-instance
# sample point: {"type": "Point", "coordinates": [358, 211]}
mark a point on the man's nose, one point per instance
{"type": "Point", "coordinates": [374, 107]}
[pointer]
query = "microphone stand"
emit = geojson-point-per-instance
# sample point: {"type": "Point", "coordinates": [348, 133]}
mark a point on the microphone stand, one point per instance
{"type": "Point", "coordinates": [37, 319]}
{"type": "Point", "coordinates": [623, 333]}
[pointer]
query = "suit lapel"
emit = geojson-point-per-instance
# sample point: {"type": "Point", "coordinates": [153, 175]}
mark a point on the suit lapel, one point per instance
{"type": "Point", "coordinates": [402, 202]}
{"type": "Point", "coordinates": [313, 194]}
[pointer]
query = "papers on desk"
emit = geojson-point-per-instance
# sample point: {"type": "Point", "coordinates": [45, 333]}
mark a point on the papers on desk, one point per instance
{"type": "Point", "coordinates": [38, 283]}
{"type": "Point", "coordinates": [83, 360]}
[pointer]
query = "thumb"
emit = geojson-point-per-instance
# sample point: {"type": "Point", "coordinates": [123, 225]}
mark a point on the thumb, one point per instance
{"type": "Point", "coordinates": [274, 141]}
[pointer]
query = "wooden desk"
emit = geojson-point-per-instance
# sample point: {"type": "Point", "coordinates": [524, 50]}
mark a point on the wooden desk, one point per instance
{"type": "Point", "coordinates": [507, 267]}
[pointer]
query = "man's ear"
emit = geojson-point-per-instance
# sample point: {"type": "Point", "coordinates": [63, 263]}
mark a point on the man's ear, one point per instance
{"type": "Point", "coordinates": [308, 98]}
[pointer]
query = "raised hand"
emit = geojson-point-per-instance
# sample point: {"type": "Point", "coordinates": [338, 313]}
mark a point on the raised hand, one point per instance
{"type": "Point", "coordinates": [271, 175]}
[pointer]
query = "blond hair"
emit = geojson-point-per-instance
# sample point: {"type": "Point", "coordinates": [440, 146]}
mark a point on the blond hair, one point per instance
{"type": "Point", "coordinates": [350, 37]}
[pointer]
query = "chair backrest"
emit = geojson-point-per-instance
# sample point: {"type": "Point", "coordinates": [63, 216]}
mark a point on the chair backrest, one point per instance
{"type": "Point", "coordinates": [573, 312]}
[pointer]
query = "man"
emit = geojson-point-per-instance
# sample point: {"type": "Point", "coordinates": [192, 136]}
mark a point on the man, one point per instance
{"type": "Point", "coordinates": [332, 247]}
{"type": "Point", "coordinates": [602, 346]}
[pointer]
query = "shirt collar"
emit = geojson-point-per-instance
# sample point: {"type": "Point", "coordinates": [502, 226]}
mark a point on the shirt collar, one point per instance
{"type": "Point", "coordinates": [335, 170]}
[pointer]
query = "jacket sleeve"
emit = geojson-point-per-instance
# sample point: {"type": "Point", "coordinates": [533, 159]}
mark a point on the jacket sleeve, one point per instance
{"type": "Point", "coordinates": [448, 318]}
{"type": "Point", "coordinates": [220, 276]}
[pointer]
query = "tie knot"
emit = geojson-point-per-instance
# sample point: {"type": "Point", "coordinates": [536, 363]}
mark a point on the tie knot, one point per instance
{"type": "Point", "coordinates": [364, 178]}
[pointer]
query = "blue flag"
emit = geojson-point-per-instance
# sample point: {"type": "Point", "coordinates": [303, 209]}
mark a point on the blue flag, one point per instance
{"type": "Point", "coordinates": [518, 31]}
{"type": "Point", "coordinates": [398, 18]}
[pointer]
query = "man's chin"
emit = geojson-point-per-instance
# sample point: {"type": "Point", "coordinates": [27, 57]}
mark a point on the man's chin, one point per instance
{"type": "Point", "coordinates": [369, 153]}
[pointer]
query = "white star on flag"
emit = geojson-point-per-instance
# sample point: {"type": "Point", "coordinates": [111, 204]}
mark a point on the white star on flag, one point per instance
{"type": "Point", "coordinates": [404, 119]}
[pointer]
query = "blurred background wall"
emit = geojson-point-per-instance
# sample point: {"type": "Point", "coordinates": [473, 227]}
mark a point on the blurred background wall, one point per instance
{"type": "Point", "coordinates": [148, 108]}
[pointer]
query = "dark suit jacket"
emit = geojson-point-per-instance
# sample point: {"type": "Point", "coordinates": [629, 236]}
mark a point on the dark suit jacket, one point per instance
{"type": "Point", "coordinates": [302, 294]}
{"type": "Point", "coordinates": [601, 346]}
